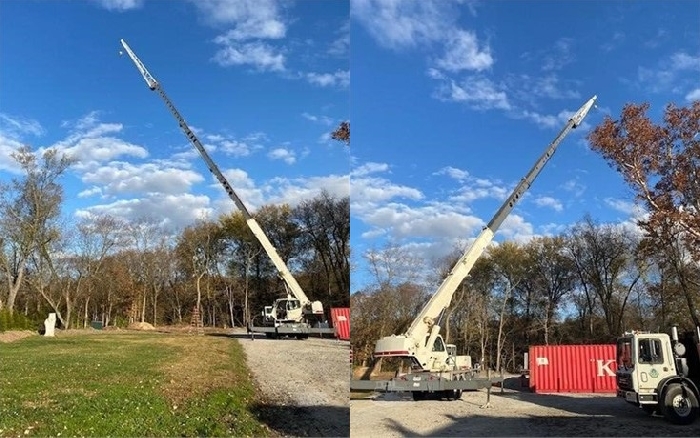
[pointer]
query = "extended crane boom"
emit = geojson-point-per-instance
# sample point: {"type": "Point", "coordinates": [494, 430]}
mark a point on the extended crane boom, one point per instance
{"type": "Point", "coordinates": [284, 272]}
{"type": "Point", "coordinates": [419, 340]}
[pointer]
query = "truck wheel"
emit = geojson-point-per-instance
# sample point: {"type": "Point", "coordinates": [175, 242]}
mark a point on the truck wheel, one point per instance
{"type": "Point", "coordinates": [680, 405]}
{"type": "Point", "coordinates": [453, 394]}
{"type": "Point", "coordinates": [418, 395]}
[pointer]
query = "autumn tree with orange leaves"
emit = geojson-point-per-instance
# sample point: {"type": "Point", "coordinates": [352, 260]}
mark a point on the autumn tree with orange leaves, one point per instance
{"type": "Point", "coordinates": [342, 133]}
{"type": "Point", "coordinates": [661, 163]}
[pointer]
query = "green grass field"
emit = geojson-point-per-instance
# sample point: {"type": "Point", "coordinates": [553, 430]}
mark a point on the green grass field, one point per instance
{"type": "Point", "coordinates": [126, 384]}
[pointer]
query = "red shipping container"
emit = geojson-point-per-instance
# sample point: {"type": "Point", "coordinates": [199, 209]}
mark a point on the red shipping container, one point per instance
{"type": "Point", "coordinates": [572, 368]}
{"type": "Point", "coordinates": [341, 322]}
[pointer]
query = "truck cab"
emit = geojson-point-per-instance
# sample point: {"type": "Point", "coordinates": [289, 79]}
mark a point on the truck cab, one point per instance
{"type": "Point", "coordinates": [652, 373]}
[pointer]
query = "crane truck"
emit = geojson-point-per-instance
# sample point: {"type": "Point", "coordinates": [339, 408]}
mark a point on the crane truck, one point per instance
{"type": "Point", "coordinates": [660, 373]}
{"type": "Point", "coordinates": [436, 369]}
{"type": "Point", "coordinates": [289, 316]}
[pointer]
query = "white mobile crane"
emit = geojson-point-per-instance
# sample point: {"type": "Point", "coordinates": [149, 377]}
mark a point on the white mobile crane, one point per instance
{"type": "Point", "coordinates": [288, 316]}
{"type": "Point", "coordinates": [435, 366]}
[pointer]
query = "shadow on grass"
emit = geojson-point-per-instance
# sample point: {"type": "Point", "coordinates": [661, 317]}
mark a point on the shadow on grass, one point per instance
{"type": "Point", "coordinates": [317, 421]}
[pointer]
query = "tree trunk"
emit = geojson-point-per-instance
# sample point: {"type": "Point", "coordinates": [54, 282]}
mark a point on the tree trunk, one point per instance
{"type": "Point", "coordinates": [143, 307]}
{"type": "Point", "coordinates": [85, 318]}
{"type": "Point", "coordinates": [13, 286]}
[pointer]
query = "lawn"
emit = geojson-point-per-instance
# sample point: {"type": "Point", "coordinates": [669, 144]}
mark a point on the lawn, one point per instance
{"type": "Point", "coordinates": [126, 384]}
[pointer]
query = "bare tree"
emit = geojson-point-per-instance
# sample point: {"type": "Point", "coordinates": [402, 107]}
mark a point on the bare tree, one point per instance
{"type": "Point", "coordinates": [29, 209]}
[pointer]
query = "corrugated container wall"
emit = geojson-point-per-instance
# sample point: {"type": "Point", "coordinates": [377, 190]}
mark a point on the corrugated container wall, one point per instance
{"type": "Point", "coordinates": [341, 322]}
{"type": "Point", "coordinates": [572, 368]}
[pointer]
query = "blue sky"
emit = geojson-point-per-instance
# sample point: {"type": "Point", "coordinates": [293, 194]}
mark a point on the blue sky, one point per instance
{"type": "Point", "coordinates": [452, 102]}
{"type": "Point", "coordinates": [262, 83]}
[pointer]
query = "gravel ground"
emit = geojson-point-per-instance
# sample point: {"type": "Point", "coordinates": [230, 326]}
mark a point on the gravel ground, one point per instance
{"type": "Point", "coordinates": [305, 384]}
{"type": "Point", "coordinates": [512, 413]}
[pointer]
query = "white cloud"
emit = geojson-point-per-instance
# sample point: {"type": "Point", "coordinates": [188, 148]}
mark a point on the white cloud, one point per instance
{"type": "Point", "coordinates": [175, 210]}
{"type": "Point", "coordinates": [614, 42]}
{"type": "Point", "coordinates": [397, 24]}
{"type": "Point", "coordinates": [341, 45]}
{"type": "Point", "coordinates": [559, 56]}
{"type": "Point", "coordinates": [228, 144]}
{"type": "Point", "coordinates": [693, 95]}
{"type": "Point", "coordinates": [7, 147]}
{"type": "Point", "coordinates": [462, 52]}
{"type": "Point", "coordinates": [368, 168]}
{"type": "Point", "coordinates": [529, 88]}
{"type": "Point", "coordinates": [340, 78]}
{"type": "Point", "coordinates": [550, 121]}
{"type": "Point", "coordinates": [254, 24]}
{"type": "Point", "coordinates": [434, 221]}
{"type": "Point", "coordinates": [118, 178]}
{"type": "Point", "coordinates": [325, 120]}
{"type": "Point", "coordinates": [251, 19]}
{"type": "Point", "coordinates": [258, 54]}
{"type": "Point", "coordinates": [546, 201]}
{"type": "Point", "coordinates": [683, 61]}
{"type": "Point", "coordinates": [515, 228]}
{"type": "Point", "coordinates": [368, 191]}
{"type": "Point", "coordinates": [94, 190]}
{"type": "Point", "coordinates": [280, 190]}
{"type": "Point", "coordinates": [453, 172]}
{"type": "Point", "coordinates": [88, 151]}
{"type": "Point", "coordinates": [627, 207]}
{"type": "Point", "coordinates": [574, 186]}
{"type": "Point", "coordinates": [282, 154]}
{"type": "Point", "coordinates": [479, 189]}
{"type": "Point", "coordinates": [675, 73]}
{"type": "Point", "coordinates": [478, 92]}
{"type": "Point", "coordinates": [88, 144]}
{"type": "Point", "coordinates": [15, 127]}
{"type": "Point", "coordinates": [120, 5]}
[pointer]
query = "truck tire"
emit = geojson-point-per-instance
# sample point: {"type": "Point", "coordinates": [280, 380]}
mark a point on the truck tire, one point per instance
{"type": "Point", "coordinates": [680, 404]}
{"type": "Point", "coordinates": [451, 394]}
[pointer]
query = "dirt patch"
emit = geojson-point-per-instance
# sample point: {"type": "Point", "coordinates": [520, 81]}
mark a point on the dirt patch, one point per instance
{"type": "Point", "coordinates": [16, 335]}
{"type": "Point", "coordinates": [512, 413]}
{"type": "Point", "coordinates": [304, 384]}
{"type": "Point", "coordinates": [140, 326]}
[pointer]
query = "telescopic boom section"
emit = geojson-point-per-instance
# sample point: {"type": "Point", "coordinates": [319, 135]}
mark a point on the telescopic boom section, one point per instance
{"type": "Point", "coordinates": [284, 272]}
{"type": "Point", "coordinates": [425, 322]}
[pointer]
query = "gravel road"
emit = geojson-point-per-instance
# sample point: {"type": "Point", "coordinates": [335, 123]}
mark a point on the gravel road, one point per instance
{"type": "Point", "coordinates": [513, 413]}
{"type": "Point", "coordinates": [304, 384]}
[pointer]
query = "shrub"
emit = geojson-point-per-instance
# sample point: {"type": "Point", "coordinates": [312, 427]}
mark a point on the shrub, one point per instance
{"type": "Point", "coordinates": [15, 321]}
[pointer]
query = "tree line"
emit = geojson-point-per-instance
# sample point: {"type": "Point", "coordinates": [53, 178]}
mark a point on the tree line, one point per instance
{"type": "Point", "coordinates": [117, 272]}
{"type": "Point", "coordinates": [586, 285]}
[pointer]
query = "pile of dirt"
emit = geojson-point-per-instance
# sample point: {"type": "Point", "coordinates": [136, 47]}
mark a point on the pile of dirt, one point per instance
{"type": "Point", "coordinates": [15, 335]}
{"type": "Point", "coordinates": [141, 326]}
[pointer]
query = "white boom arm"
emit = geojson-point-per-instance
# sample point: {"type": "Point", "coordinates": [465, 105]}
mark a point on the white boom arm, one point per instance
{"type": "Point", "coordinates": [284, 272]}
{"type": "Point", "coordinates": [425, 323]}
